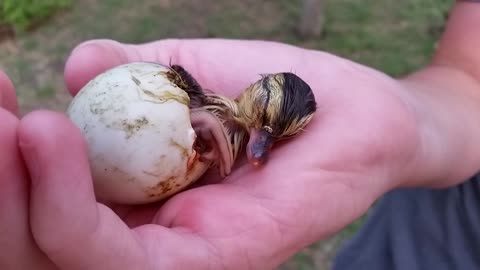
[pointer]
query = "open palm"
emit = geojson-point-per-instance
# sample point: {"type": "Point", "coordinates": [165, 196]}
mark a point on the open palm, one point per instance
{"type": "Point", "coordinates": [361, 143]}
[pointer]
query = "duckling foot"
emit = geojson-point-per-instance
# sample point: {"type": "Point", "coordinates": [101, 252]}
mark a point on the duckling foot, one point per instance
{"type": "Point", "coordinates": [212, 140]}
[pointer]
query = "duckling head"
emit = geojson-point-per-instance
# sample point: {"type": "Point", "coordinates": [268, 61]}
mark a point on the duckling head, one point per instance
{"type": "Point", "coordinates": [276, 107]}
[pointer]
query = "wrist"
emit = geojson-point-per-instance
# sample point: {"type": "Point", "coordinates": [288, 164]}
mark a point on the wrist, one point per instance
{"type": "Point", "coordinates": [446, 98]}
{"type": "Point", "coordinates": [446, 104]}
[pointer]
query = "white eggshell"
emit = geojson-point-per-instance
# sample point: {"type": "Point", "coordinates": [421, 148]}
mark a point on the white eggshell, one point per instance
{"type": "Point", "coordinates": [140, 138]}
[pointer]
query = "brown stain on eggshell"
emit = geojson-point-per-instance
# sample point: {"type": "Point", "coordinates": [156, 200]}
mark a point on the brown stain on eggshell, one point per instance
{"type": "Point", "coordinates": [183, 150]}
{"type": "Point", "coordinates": [98, 108]}
{"type": "Point", "coordinates": [173, 184]}
{"type": "Point", "coordinates": [168, 185]}
{"type": "Point", "coordinates": [131, 127]}
{"type": "Point", "coordinates": [164, 96]}
{"type": "Point", "coordinates": [162, 188]}
{"type": "Point", "coordinates": [151, 173]}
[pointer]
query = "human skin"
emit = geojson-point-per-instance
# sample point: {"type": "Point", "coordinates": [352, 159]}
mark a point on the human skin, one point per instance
{"type": "Point", "coordinates": [16, 242]}
{"type": "Point", "coordinates": [371, 134]}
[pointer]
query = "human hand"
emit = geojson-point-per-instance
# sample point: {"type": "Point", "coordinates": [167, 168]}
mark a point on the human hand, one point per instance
{"type": "Point", "coordinates": [18, 247]}
{"type": "Point", "coordinates": [362, 142]}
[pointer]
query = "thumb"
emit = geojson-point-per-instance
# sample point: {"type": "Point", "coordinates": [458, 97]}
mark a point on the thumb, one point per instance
{"type": "Point", "coordinates": [68, 224]}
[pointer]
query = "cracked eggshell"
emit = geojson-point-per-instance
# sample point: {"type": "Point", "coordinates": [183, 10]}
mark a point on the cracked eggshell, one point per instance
{"type": "Point", "coordinates": [140, 139]}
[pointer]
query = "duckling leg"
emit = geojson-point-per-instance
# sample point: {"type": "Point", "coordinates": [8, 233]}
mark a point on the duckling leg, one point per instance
{"type": "Point", "coordinates": [213, 139]}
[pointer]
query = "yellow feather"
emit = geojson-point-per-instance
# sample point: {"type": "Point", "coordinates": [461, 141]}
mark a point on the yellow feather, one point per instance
{"type": "Point", "coordinates": [227, 110]}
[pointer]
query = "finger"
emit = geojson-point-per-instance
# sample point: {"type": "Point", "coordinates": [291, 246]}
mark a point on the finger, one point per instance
{"type": "Point", "coordinates": [67, 223]}
{"type": "Point", "coordinates": [15, 237]}
{"type": "Point", "coordinates": [8, 99]}
{"type": "Point", "coordinates": [226, 66]}
{"type": "Point", "coordinates": [90, 59]}
{"type": "Point", "coordinates": [75, 231]}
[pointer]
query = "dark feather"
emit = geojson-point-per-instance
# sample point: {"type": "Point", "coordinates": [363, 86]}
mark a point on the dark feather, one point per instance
{"type": "Point", "coordinates": [185, 81]}
{"type": "Point", "coordinates": [298, 101]}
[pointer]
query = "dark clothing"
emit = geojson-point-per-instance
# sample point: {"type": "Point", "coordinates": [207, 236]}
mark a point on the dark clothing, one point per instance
{"type": "Point", "coordinates": [419, 229]}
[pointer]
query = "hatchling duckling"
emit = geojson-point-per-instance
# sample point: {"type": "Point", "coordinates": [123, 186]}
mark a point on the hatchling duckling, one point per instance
{"type": "Point", "coordinates": [276, 107]}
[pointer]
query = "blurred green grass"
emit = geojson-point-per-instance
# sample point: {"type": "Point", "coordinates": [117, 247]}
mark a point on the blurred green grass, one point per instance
{"type": "Point", "coordinates": [21, 15]}
{"type": "Point", "coordinates": [396, 37]}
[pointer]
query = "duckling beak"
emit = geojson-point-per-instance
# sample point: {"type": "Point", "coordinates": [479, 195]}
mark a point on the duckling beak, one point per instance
{"type": "Point", "coordinates": [259, 146]}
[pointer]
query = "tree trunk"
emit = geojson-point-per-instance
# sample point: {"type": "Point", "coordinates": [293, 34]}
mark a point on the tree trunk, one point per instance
{"type": "Point", "coordinates": [312, 18]}
{"type": "Point", "coordinates": [6, 32]}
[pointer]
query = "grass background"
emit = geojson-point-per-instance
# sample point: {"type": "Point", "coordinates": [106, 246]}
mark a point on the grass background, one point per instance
{"type": "Point", "coordinates": [394, 36]}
